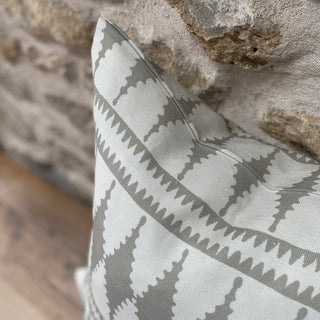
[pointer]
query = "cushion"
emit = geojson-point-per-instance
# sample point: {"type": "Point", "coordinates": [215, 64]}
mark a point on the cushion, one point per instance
{"type": "Point", "coordinates": [193, 218]}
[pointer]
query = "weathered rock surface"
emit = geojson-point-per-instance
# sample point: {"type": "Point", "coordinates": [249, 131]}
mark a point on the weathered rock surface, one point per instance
{"type": "Point", "coordinates": [298, 128]}
{"type": "Point", "coordinates": [229, 31]}
{"type": "Point", "coordinates": [258, 63]}
{"type": "Point", "coordinates": [45, 107]}
{"type": "Point", "coordinates": [10, 48]}
{"type": "Point", "coordinates": [54, 19]}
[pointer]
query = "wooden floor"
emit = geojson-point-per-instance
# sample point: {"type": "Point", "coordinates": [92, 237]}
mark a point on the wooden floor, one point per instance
{"type": "Point", "coordinates": [43, 238]}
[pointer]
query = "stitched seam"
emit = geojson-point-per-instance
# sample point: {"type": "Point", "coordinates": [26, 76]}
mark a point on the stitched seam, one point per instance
{"type": "Point", "coordinates": [194, 196]}
{"type": "Point", "coordinates": [191, 126]}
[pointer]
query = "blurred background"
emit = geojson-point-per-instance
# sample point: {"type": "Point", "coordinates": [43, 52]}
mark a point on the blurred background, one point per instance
{"type": "Point", "coordinates": [257, 63]}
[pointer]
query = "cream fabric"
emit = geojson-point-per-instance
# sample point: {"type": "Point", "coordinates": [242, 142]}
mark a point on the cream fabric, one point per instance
{"type": "Point", "coordinates": [193, 217]}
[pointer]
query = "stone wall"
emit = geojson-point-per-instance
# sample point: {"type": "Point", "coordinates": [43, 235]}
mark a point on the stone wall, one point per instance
{"type": "Point", "coordinates": [256, 62]}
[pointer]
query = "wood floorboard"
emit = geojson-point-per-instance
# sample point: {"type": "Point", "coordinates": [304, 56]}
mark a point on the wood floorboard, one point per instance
{"type": "Point", "coordinates": [44, 236]}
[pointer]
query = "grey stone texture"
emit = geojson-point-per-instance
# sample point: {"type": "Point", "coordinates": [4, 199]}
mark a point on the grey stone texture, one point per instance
{"type": "Point", "coordinates": [256, 62]}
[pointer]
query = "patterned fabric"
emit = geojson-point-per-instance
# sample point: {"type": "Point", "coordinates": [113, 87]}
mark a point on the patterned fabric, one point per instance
{"type": "Point", "coordinates": [194, 219]}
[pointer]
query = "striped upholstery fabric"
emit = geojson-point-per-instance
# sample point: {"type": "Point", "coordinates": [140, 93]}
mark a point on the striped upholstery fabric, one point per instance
{"type": "Point", "coordinates": [194, 219]}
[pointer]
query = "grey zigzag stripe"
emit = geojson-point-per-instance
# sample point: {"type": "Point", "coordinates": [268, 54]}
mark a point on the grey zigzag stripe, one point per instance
{"type": "Point", "coordinates": [116, 37]}
{"type": "Point", "coordinates": [294, 155]}
{"type": "Point", "coordinates": [280, 285]}
{"type": "Point", "coordinates": [287, 200]}
{"type": "Point", "coordinates": [171, 114]}
{"type": "Point", "coordinates": [299, 157]}
{"type": "Point", "coordinates": [199, 152]}
{"type": "Point", "coordinates": [98, 225]}
{"type": "Point", "coordinates": [136, 76]}
{"type": "Point", "coordinates": [244, 181]}
{"type": "Point", "coordinates": [118, 284]}
{"type": "Point", "coordinates": [186, 105]}
{"type": "Point", "coordinates": [157, 302]}
{"type": "Point", "coordinates": [223, 311]}
{"type": "Point", "coordinates": [209, 144]}
{"type": "Point", "coordinates": [220, 223]}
